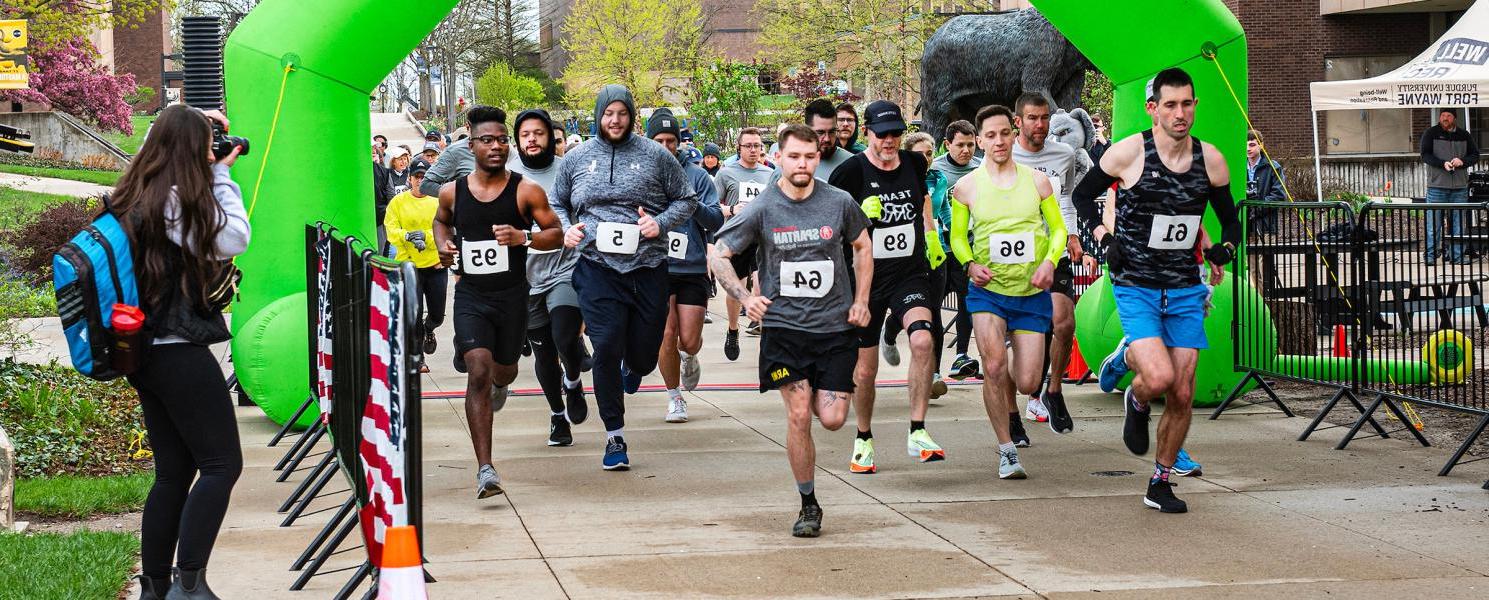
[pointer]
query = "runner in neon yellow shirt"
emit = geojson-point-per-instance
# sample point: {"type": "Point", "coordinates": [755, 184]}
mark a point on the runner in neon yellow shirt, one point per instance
{"type": "Point", "coordinates": [1013, 215]}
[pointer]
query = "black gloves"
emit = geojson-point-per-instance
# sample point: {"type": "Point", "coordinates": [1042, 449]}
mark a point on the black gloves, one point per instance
{"type": "Point", "coordinates": [1220, 254]}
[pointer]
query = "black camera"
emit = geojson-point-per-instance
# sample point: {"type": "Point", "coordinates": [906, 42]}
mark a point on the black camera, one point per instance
{"type": "Point", "coordinates": [222, 143]}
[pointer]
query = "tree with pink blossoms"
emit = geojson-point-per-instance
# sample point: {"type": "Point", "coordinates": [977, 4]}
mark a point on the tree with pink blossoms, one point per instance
{"type": "Point", "coordinates": [68, 77]}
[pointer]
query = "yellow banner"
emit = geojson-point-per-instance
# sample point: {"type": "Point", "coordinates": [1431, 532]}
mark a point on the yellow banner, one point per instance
{"type": "Point", "coordinates": [14, 65]}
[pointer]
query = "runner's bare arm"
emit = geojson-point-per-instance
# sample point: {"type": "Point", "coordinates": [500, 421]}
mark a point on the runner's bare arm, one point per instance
{"type": "Point", "coordinates": [444, 222]}
{"type": "Point", "coordinates": [534, 202]}
{"type": "Point", "coordinates": [863, 271]}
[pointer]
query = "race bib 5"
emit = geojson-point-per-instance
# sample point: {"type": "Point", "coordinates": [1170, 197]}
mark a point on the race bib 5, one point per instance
{"type": "Point", "coordinates": [617, 238]}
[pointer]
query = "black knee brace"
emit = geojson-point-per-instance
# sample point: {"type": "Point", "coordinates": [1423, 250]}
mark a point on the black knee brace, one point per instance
{"type": "Point", "coordinates": [921, 325]}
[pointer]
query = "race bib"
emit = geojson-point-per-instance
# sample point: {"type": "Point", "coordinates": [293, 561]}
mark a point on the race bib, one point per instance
{"type": "Point", "coordinates": [894, 242]}
{"type": "Point", "coordinates": [483, 258]}
{"type": "Point", "coordinates": [806, 278]}
{"type": "Point", "coordinates": [749, 190]}
{"type": "Point", "coordinates": [530, 250]}
{"type": "Point", "coordinates": [677, 245]}
{"type": "Point", "coordinates": [617, 238]}
{"type": "Point", "coordinates": [1011, 248]}
{"type": "Point", "coordinates": [1173, 232]}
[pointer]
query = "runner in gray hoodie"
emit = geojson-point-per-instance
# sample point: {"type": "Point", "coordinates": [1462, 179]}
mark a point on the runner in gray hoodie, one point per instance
{"type": "Point", "coordinates": [618, 195]}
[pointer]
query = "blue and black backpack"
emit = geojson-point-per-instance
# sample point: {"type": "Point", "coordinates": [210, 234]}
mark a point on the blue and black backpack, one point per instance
{"type": "Point", "coordinates": [91, 273]}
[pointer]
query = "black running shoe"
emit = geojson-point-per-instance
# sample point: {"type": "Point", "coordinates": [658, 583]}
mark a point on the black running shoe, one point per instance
{"type": "Point", "coordinates": [430, 343]}
{"type": "Point", "coordinates": [1161, 496]}
{"type": "Point", "coordinates": [575, 405]}
{"type": "Point", "coordinates": [731, 344]}
{"type": "Point", "coordinates": [527, 349]}
{"type": "Point", "coordinates": [808, 522]}
{"type": "Point", "coordinates": [1134, 425]}
{"type": "Point", "coordinates": [558, 431]}
{"type": "Point", "coordinates": [1016, 431]}
{"type": "Point", "coordinates": [1060, 421]}
{"type": "Point", "coordinates": [586, 360]}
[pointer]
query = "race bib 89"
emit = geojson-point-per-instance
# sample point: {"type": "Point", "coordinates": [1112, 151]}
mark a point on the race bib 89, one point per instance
{"type": "Point", "coordinates": [1174, 232]}
{"type": "Point", "coordinates": [483, 258]}
{"type": "Point", "coordinates": [677, 245]}
{"type": "Point", "coordinates": [1011, 248]}
{"type": "Point", "coordinates": [894, 242]}
{"type": "Point", "coordinates": [617, 238]}
{"type": "Point", "coordinates": [806, 278]}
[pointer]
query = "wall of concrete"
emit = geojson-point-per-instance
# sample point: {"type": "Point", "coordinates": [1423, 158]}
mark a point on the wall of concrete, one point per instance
{"type": "Point", "coordinates": [53, 131]}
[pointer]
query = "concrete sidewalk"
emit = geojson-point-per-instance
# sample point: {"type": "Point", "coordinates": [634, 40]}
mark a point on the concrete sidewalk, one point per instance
{"type": "Point", "coordinates": [47, 185]}
{"type": "Point", "coordinates": [707, 508]}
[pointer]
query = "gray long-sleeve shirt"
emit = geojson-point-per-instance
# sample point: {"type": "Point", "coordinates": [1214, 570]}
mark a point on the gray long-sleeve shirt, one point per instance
{"type": "Point", "coordinates": [601, 182]}
{"type": "Point", "coordinates": [455, 162]}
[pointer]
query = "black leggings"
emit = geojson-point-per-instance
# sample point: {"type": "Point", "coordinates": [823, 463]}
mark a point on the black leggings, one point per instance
{"type": "Point", "coordinates": [563, 325]}
{"type": "Point", "coordinates": [433, 283]}
{"type": "Point", "coordinates": [194, 434]}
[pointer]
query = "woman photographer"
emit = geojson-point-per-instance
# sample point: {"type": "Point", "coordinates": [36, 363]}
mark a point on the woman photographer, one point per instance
{"type": "Point", "coordinates": [185, 219]}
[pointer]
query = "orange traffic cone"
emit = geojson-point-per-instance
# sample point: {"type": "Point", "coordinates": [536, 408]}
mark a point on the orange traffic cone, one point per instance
{"type": "Point", "coordinates": [402, 574]}
{"type": "Point", "coordinates": [1341, 342]}
{"type": "Point", "coordinates": [1077, 367]}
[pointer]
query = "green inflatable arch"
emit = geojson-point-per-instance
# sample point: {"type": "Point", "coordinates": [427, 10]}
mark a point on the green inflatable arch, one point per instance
{"type": "Point", "coordinates": [1130, 42]}
{"type": "Point", "coordinates": [319, 74]}
{"type": "Point", "coordinates": [317, 166]}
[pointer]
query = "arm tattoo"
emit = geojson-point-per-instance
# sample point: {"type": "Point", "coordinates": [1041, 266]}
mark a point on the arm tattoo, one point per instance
{"type": "Point", "coordinates": [724, 272]}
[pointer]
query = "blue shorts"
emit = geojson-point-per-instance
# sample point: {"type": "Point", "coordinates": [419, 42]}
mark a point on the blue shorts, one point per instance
{"type": "Point", "coordinates": [1177, 316]}
{"type": "Point", "coordinates": [1023, 313]}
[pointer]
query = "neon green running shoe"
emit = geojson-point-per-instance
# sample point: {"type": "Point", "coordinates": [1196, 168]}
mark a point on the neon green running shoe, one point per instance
{"type": "Point", "coordinates": [923, 448]}
{"type": "Point", "coordinates": [863, 457]}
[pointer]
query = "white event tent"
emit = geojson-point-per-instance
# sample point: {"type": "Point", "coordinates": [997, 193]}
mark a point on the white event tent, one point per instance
{"type": "Point", "coordinates": [1451, 73]}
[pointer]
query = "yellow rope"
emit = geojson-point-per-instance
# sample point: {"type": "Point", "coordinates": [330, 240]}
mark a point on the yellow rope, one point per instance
{"type": "Point", "coordinates": [269, 144]}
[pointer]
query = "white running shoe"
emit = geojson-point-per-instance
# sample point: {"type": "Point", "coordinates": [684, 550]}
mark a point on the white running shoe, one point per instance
{"type": "Point", "coordinates": [890, 352]}
{"type": "Point", "coordinates": [677, 410]}
{"type": "Point", "coordinates": [1035, 411]}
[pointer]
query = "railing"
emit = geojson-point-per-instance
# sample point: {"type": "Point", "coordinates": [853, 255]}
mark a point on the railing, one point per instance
{"type": "Point", "coordinates": [1376, 303]}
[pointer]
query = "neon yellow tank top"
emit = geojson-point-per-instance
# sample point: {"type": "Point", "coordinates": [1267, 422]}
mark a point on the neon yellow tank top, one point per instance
{"type": "Point", "coordinates": [1009, 234]}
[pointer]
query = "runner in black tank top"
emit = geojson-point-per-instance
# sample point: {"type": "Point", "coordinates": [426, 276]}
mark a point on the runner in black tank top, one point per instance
{"type": "Point", "coordinates": [483, 227]}
{"type": "Point", "coordinates": [1167, 177]}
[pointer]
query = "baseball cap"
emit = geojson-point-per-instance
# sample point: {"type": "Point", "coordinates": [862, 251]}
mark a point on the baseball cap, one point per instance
{"type": "Point", "coordinates": [431, 146]}
{"type": "Point", "coordinates": [418, 167]}
{"type": "Point", "coordinates": [433, 134]}
{"type": "Point", "coordinates": [883, 116]}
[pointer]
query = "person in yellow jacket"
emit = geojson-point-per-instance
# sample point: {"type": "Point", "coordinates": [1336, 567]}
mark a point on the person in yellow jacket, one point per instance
{"type": "Point", "coordinates": [410, 225]}
{"type": "Point", "coordinates": [1013, 215]}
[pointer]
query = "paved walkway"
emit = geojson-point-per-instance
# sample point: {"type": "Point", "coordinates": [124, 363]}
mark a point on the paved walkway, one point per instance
{"type": "Point", "coordinates": [707, 508]}
{"type": "Point", "coordinates": [397, 128]}
{"type": "Point", "coordinates": [47, 185]}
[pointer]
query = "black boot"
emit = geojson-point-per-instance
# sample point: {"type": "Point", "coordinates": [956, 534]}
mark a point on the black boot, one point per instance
{"type": "Point", "coordinates": [190, 585]}
{"type": "Point", "coordinates": [150, 587]}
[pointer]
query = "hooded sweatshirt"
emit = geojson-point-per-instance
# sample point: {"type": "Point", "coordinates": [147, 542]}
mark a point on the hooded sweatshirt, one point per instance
{"type": "Point", "coordinates": [545, 268]}
{"type": "Point", "coordinates": [693, 236]}
{"type": "Point", "coordinates": [604, 182]}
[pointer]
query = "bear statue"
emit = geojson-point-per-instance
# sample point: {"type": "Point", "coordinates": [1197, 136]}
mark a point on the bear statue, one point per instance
{"type": "Point", "coordinates": [976, 60]}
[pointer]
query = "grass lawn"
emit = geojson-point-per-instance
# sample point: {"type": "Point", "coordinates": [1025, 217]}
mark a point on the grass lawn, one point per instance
{"type": "Point", "coordinates": [18, 208]}
{"type": "Point", "coordinates": [85, 564]}
{"type": "Point", "coordinates": [76, 497]}
{"type": "Point", "coordinates": [108, 178]}
{"type": "Point", "coordinates": [130, 144]}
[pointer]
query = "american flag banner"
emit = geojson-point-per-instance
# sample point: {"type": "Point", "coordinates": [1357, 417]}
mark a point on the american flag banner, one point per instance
{"type": "Point", "coordinates": [382, 432]}
{"type": "Point", "coordinates": [323, 323]}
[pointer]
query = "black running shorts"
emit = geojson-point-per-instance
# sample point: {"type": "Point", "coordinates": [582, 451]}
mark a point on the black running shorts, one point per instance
{"type": "Point", "coordinates": [496, 321]}
{"type": "Point", "coordinates": [824, 360]}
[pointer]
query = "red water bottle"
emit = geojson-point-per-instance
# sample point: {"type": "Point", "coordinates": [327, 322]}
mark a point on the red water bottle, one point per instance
{"type": "Point", "coordinates": [128, 323]}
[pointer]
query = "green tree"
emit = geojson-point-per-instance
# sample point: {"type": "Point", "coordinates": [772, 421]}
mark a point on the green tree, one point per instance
{"type": "Point", "coordinates": [502, 87]}
{"type": "Point", "coordinates": [1096, 95]}
{"type": "Point", "coordinates": [876, 43]}
{"type": "Point", "coordinates": [57, 22]}
{"type": "Point", "coordinates": [725, 97]}
{"type": "Point", "coordinates": [649, 46]}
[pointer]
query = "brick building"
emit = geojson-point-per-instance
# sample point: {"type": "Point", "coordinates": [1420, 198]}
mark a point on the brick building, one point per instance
{"type": "Point", "coordinates": [137, 50]}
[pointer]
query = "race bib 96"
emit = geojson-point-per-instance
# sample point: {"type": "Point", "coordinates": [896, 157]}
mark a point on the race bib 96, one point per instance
{"type": "Point", "coordinates": [1011, 248]}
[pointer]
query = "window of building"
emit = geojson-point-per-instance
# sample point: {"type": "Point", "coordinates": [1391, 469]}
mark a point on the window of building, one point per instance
{"type": "Point", "coordinates": [1377, 131]}
{"type": "Point", "coordinates": [1478, 125]}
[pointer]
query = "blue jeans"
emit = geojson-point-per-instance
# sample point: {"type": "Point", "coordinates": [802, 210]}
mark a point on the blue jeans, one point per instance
{"type": "Point", "coordinates": [624, 315]}
{"type": "Point", "coordinates": [1453, 252]}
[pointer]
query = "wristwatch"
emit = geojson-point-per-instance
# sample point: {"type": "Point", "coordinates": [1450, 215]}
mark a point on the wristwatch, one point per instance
{"type": "Point", "coordinates": [527, 238]}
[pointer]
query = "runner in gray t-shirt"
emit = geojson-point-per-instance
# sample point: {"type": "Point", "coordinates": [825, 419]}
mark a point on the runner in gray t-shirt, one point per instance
{"type": "Point", "coordinates": [738, 184]}
{"type": "Point", "coordinates": [800, 226]}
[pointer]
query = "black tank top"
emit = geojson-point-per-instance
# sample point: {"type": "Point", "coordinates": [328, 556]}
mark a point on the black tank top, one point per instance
{"type": "Point", "coordinates": [1158, 221]}
{"type": "Point", "coordinates": [481, 262]}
